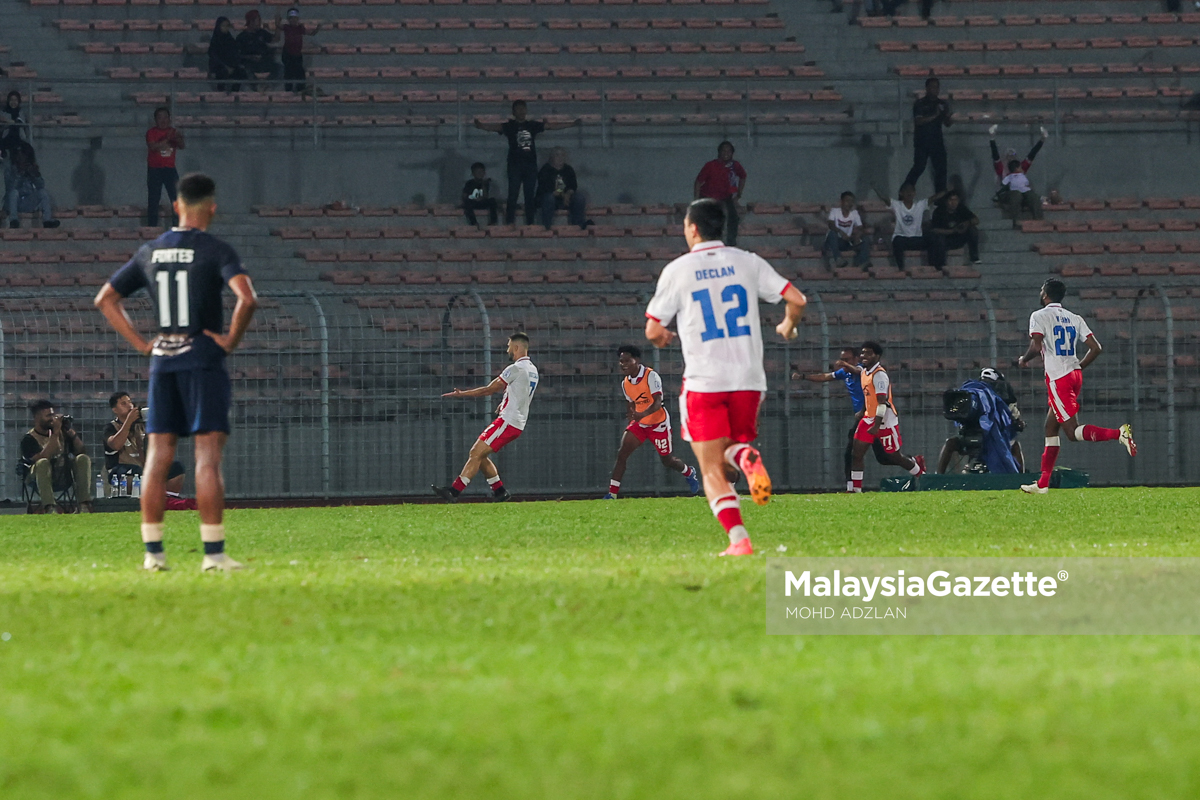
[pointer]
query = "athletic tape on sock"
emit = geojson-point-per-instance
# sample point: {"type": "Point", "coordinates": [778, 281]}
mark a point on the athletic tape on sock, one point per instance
{"type": "Point", "coordinates": [152, 531]}
{"type": "Point", "coordinates": [212, 533]}
{"type": "Point", "coordinates": [493, 481]}
{"type": "Point", "coordinates": [1052, 441]}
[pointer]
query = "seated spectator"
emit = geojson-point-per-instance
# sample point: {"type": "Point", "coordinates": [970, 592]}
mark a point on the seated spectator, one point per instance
{"type": "Point", "coordinates": [558, 188]}
{"type": "Point", "coordinates": [846, 232]}
{"type": "Point", "coordinates": [477, 196]}
{"type": "Point", "coordinates": [254, 47]}
{"type": "Point", "coordinates": [1020, 193]}
{"type": "Point", "coordinates": [909, 212]}
{"type": "Point", "coordinates": [13, 125]}
{"type": "Point", "coordinates": [522, 134]}
{"type": "Point", "coordinates": [53, 459]}
{"type": "Point", "coordinates": [293, 50]}
{"type": "Point", "coordinates": [224, 60]}
{"type": "Point", "coordinates": [25, 188]}
{"type": "Point", "coordinates": [723, 180]}
{"type": "Point", "coordinates": [125, 449]}
{"type": "Point", "coordinates": [952, 225]}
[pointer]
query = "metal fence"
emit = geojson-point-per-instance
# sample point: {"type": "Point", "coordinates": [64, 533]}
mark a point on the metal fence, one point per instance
{"type": "Point", "coordinates": [339, 394]}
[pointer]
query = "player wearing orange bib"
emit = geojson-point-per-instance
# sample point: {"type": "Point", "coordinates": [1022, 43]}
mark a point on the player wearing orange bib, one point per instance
{"type": "Point", "coordinates": [648, 419]}
{"type": "Point", "coordinates": [880, 422]}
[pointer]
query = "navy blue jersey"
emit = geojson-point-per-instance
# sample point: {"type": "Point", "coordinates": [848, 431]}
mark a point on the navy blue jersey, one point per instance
{"type": "Point", "coordinates": [185, 272]}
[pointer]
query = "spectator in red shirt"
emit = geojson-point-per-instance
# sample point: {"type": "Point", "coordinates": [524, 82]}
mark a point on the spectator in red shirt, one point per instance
{"type": "Point", "coordinates": [724, 180]}
{"type": "Point", "coordinates": [293, 50]}
{"type": "Point", "coordinates": [161, 143]}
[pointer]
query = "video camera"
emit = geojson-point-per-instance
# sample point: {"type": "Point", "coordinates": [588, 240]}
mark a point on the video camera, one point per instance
{"type": "Point", "coordinates": [961, 406]}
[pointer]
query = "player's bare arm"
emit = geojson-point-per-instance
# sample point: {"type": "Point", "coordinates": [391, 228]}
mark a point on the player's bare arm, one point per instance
{"type": "Point", "coordinates": [247, 304]}
{"type": "Point", "coordinates": [796, 301]}
{"type": "Point", "coordinates": [815, 377]}
{"type": "Point", "coordinates": [111, 305]}
{"type": "Point", "coordinates": [495, 386]}
{"type": "Point", "coordinates": [1094, 348]}
{"type": "Point", "coordinates": [1035, 350]}
{"type": "Point", "coordinates": [658, 334]}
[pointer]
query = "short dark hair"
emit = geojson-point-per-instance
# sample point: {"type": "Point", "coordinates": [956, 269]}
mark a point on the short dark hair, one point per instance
{"type": "Point", "coordinates": [519, 103]}
{"type": "Point", "coordinates": [848, 350]}
{"type": "Point", "coordinates": [520, 336]}
{"type": "Point", "coordinates": [904, 186]}
{"type": "Point", "coordinates": [38, 406]}
{"type": "Point", "coordinates": [845, 195]}
{"type": "Point", "coordinates": [196, 186]}
{"type": "Point", "coordinates": [726, 142]}
{"type": "Point", "coordinates": [115, 398]}
{"type": "Point", "coordinates": [478, 165]}
{"type": "Point", "coordinates": [708, 217]}
{"type": "Point", "coordinates": [932, 80]}
{"type": "Point", "coordinates": [1014, 165]}
{"type": "Point", "coordinates": [1055, 289]}
{"type": "Point", "coordinates": [874, 347]}
{"type": "Point", "coordinates": [632, 349]}
{"type": "Point", "coordinates": [162, 110]}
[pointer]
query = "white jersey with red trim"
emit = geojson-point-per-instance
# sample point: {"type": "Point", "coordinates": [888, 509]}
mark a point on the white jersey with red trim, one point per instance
{"type": "Point", "coordinates": [1063, 335]}
{"type": "Point", "coordinates": [520, 382]}
{"type": "Point", "coordinates": [714, 291]}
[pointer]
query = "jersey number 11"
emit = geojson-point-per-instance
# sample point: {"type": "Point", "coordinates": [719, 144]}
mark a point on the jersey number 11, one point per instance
{"type": "Point", "coordinates": [181, 316]}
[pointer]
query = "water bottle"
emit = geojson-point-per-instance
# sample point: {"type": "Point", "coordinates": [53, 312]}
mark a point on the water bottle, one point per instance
{"type": "Point", "coordinates": [137, 485]}
{"type": "Point", "coordinates": [99, 487]}
{"type": "Point", "coordinates": [113, 491]}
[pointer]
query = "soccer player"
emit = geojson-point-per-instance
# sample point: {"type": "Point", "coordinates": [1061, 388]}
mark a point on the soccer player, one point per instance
{"type": "Point", "coordinates": [713, 291]}
{"type": "Point", "coordinates": [880, 423]}
{"type": "Point", "coordinates": [518, 381]}
{"type": "Point", "coordinates": [847, 371]}
{"type": "Point", "coordinates": [185, 271]}
{"type": "Point", "coordinates": [1056, 334]}
{"type": "Point", "coordinates": [648, 419]}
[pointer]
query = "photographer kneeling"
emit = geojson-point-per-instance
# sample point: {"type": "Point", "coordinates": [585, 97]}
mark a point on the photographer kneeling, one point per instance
{"type": "Point", "coordinates": [125, 449]}
{"type": "Point", "coordinates": [53, 458]}
{"type": "Point", "coordinates": [986, 415]}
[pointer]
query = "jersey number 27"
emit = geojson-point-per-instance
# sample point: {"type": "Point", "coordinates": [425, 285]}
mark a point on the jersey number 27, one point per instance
{"type": "Point", "coordinates": [1064, 340]}
{"type": "Point", "coordinates": [733, 293]}
{"type": "Point", "coordinates": [181, 313]}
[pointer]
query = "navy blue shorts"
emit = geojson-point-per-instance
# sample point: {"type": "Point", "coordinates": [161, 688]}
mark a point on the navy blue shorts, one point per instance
{"type": "Point", "coordinates": [189, 401]}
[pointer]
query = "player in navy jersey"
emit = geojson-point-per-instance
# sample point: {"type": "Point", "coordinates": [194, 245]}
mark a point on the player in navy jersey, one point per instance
{"type": "Point", "coordinates": [185, 271]}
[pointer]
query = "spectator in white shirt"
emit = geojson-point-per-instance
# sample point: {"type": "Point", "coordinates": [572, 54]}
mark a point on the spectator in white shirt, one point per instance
{"type": "Point", "coordinates": [1020, 193]}
{"type": "Point", "coordinates": [910, 212]}
{"type": "Point", "coordinates": [846, 232]}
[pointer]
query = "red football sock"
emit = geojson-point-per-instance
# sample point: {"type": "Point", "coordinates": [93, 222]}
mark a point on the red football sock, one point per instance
{"type": "Point", "coordinates": [458, 485]}
{"type": "Point", "coordinates": [727, 511]}
{"type": "Point", "coordinates": [856, 481]}
{"type": "Point", "coordinates": [1094, 433]}
{"type": "Point", "coordinates": [614, 487]}
{"type": "Point", "coordinates": [496, 484]}
{"type": "Point", "coordinates": [1049, 456]}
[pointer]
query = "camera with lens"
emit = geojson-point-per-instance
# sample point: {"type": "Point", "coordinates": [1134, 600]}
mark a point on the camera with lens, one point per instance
{"type": "Point", "coordinates": [67, 421]}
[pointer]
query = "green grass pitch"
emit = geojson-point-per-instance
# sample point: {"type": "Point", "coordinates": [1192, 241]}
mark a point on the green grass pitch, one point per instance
{"type": "Point", "coordinates": [571, 650]}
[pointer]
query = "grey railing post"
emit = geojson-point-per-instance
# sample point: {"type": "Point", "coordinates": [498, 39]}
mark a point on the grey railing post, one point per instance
{"type": "Point", "coordinates": [4, 420]}
{"type": "Point", "coordinates": [1170, 326]}
{"type": "Point", "coordinates": [993, 343]}
{"type": "Point", "coordinates": [487, 340]}
{"type": "Point", "coordinates": [325, 465]}
{"type": "Point", "coordinates": [826, 421]}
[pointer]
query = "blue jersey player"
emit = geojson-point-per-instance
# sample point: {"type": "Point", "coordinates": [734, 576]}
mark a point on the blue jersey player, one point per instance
{"type": "Point", "coordinates": [185, 271]}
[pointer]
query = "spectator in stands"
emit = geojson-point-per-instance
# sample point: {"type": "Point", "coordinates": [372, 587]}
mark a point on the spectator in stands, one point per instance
{"type": "Point", "coordinates": [13, 125]}
{"type": "Point", "coordinates": [909, 212]}
{"type": "Point", "coordinates": [25, 189]}
{"type": "Point", "coordinates": [1020, 193]}
{"type": "Point", "coordinates": [558, 188]}
{"type": "Point", "coordinates": [162, 142]}
{"type": "Point", "coordinates": [477, 195]}
{"type": "Point", "coordinates": [1004, 168]}
{"type": "Point", "coordinates": [952, 225]}
{"type": "Point", "coordinates": [930, 115]}
{"type": "Point", "coordinates": [254, 46]}
{"type": "Point", "coordinates": [53, 458]}
{"type": "Point", "coordinates": [846, 232]}
{"type": "Point", "coordinates": [522, 134]}
{"type": "Point", "coordinates": [125, 449]}
{"type": "Point", "coordinates": [293, 50]}
{"type": "Point", "coordinates": [723, 180]}
{"type": "Point", "coordinates": [224, 61]}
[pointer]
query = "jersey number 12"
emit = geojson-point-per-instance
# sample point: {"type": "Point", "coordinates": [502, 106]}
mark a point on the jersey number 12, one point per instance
{"type": "Point", "coordinates": [732, 293]}
{"type": "Point", "coordinates": [182, 315]}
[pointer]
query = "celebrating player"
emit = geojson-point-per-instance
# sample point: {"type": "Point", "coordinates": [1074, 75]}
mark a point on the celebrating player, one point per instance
{"type": "Point", "coordinates": [185, 271]}
{"type": "Point", "coordinates": [876, 425]}
{"type": "Point", "coordinates": [648, 419]}
{"type": "Point", "coordinates": [714, 291]}
{"type": "Point", "coordinates": [1056, 333]}
{"type": "Point", "coordinates": [847, 371]}
{"type": "Point", "coordinates": [518, 381]}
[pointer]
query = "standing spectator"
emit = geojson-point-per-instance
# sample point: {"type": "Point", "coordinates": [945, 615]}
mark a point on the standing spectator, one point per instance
{"type": "Point", "coordinates": [53, 458]}
{"type": "Point", "coordinates": [254, 46]}
{"type": "Point", "coordinates": [293, 50]}
{"type": "Point", "coordinates": [25, 188]}
{"type": "Point", "coordinates": [522, 156]}
{"type": "Point", "coordinates": [477, 195]}
{"type": "Point", "coordinates": [224, 61]}
{"type": "Point", "coordinates": [723, 180]}
{"type": "Point", "coordinates": [910, 213]}
{"type": "Point", "coordinates": [558, 188]}
{"type": "Point", "coordinates": [12, 123]}
{"type": "Point", "coordinates": [930, 115]}
{"type": "Point", "coordinates": [846, 232]}
{"type": "Point", "coordinates": [162, 142]}
{"type": "Point", "coordinates": [1020, 193]}
{"type": "Point", "coordinates": [952, 225]}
